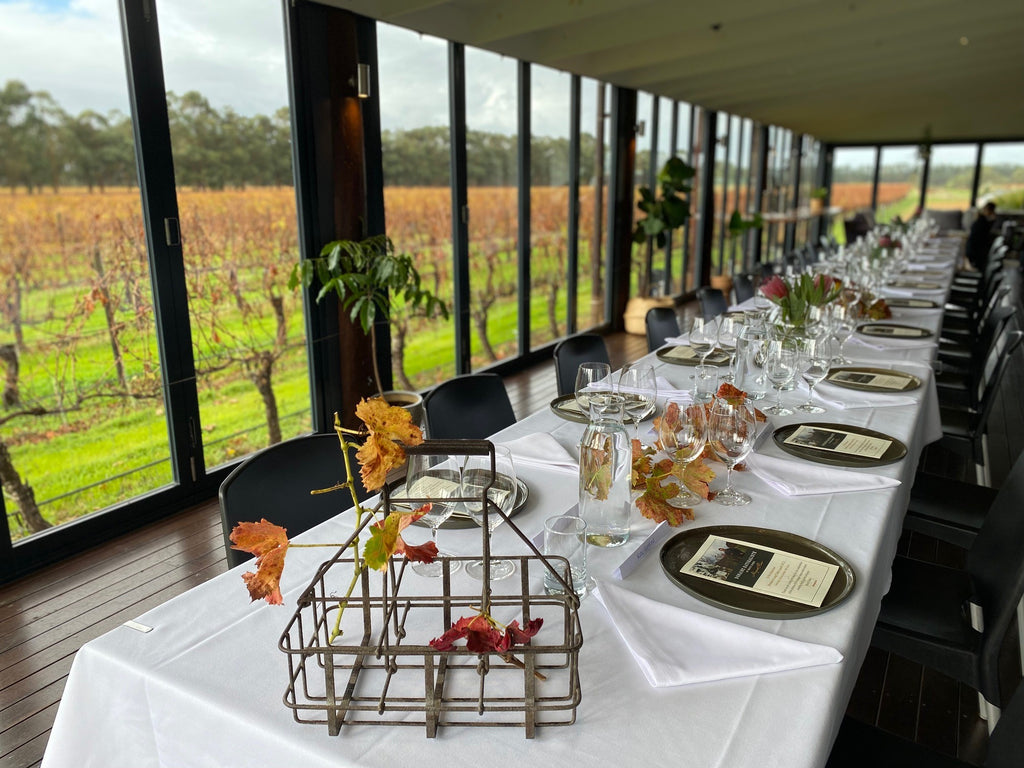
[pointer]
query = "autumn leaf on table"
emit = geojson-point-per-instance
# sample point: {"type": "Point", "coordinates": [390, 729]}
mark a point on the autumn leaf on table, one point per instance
{"type": "Point", "coordinates": [696, 475]}
{"type": "Point", "coordinates": [653, 504]}
{"type": "Point", "coordinates": [596, 467]}
{"type": "Point", "coordinates": [643, 464]}
{"type": "Point", "coordinates": [734, 396]}
{"type": "Point", "coordinates": [269, 543]}
{"type": "Point", "coordinates": [483, 634]}
{"type": "Point", "coordinates": [386, 540]}
{"type": "Point", "coordinates": [388, 426]}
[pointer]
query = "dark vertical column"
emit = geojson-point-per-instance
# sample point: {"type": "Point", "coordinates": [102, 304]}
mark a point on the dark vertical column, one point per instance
{"type": "Point", "coordinates": [366, 32]}
{"type": "Point", "coordinates": [925, 172]}
{"type": "Point", "coordinates": [976, 181]}
{"type": "Point", "coordinates": [620, 205]}
{"type": "Point", "coordinates": [523, 166]}
{"type": "Point", "coordinates": [573, 250]}
{"type": "Point", "coordinates": [720, 214]}
{"type": "Point", "coordinates": [148, 101]}
{"type": "Point", "coordinates": [460, 204]}
{"type": "Point", "coordinates": [706, 214]}
{"type": "Point", "coordinates": [794, 160]}
{"type": "Point", "coordinates": [875, 177]}
{"type": "Point", "coordinates": [331, 183]}
{"type": "Point", "coordinates": [760, 185]}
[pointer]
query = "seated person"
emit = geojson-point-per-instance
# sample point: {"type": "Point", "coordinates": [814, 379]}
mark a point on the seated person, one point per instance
{"type": "Point", "coordinates": [979, 241]}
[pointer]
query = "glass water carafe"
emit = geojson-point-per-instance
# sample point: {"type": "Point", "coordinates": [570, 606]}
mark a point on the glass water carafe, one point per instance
{"type": "Point", "coordinates": [605, 460]}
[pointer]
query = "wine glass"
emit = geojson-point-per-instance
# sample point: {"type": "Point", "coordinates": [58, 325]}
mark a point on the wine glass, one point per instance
{"type": "Point", "coordinates": [703, 335]}
{"type": "Point", "coordinates": [728, 330]}
{"type": "Point", "coordinates": [501, 488]}
{"type": "Point", "coordinates": [639, 388]}
{"type": "Point", "coordinates": [780, 367]}
{"type": "Point", "coordinates": [813, 363]}
{"type": "Point", "coordinates": [843, 325]}
{"type": "Point", "coordinates": [434, 477]}
{"type": "Point", "coordinates": [590, 378]}
{"type": "Point", "coordinates": [682, 432]}
{"type": "Point", "coordinates": [732, 429]}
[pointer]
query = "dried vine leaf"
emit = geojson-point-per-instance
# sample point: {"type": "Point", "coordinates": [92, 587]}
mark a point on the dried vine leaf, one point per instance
{"type": "Point", "coordinates": [596, 467]}
{"type": "Point", "coordinates": [643, 464]}
{"type": "Point", "coordinates": [386, 540]}
{"type": "Point", "coordinates": [696, 476]}
{"type": "Point", "coordinates": [388, 425]}
{"type": "Point", "coordinates": [654, 503]}
{"type": "Point", "coordinates": [483, 635]}
{"type": "Point", "coordinates": [269, 543]}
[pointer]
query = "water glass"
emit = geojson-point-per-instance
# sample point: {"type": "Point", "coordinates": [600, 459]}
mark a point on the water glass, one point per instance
{"type": "Point", "coordinates": [566, 536]}
{"type": "Point", "coordinates": [705, 383]}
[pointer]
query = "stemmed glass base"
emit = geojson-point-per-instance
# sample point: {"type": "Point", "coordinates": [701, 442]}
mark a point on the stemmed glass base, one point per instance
{"type": "Point", "coordinates": [434, 569]}
{"type": "Point", "coordinates": [500, 569]}
{"type": "Point", "coordinates": [810, 408]}
{"type": "Point", "coordinates": [730, 497]}
{"type": "Point", "coordinates": [777, 410]}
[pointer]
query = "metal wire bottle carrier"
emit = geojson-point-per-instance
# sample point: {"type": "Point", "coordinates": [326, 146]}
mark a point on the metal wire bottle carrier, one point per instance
{"type": "Point", "coordinates": [382, 670]}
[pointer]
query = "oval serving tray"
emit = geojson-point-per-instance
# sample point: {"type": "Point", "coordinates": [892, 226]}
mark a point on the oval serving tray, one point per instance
{"type": "Point", "coordinates": [680, 548]}
{"type": "Point", "coordinates": [877, 330]}
{"type": "Point", "coordinates": [461, 519]}
{"type": "Point", "coordinates": [896, 451]}
{"type": "Point", "coordinates": [912, 381]}
{"type": "Point", "coordinates": [668, 355]}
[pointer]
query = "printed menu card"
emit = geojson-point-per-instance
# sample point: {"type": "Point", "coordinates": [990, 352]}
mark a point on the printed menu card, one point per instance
{"type": "Point", "coordinates": [839, 441]}
{"type": "Point", "coordinates": [762, 569]}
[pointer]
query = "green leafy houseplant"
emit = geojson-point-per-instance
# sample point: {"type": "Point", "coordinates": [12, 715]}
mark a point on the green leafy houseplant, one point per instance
{"type": "Point", "coordinates": [367, 275]}
{"type": "Point", "coordinates": [668, 211]}
{"type": "Point", "coordinates": [820, 193]}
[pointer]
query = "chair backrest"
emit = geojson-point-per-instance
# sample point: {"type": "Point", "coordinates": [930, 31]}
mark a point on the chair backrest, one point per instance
{"type": "Point", "coordinates": [743, 287]}
{"type": "Point", "coordinates": [471, 407]}
{"type": "Point", "coordinates": [275, 484]}
{"type": "Point", "coordinates": [1005, 345]}
{"type": "Point", "coordinates": [661, 323]}
{"type": "Point", "coordinates": [571, 352]}
{"type": "Point", "coordinates": [712, 302]}
{"type": "Point", "coordinates": [995, 563]}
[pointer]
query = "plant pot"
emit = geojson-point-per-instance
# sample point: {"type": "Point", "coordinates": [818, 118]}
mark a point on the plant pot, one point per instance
{"type": "Point", "coordinates": [817, 206]}
{"type": "Point", "coordinates": [635, 316]}
{"type": "Point", "coordinates": [411, 401]}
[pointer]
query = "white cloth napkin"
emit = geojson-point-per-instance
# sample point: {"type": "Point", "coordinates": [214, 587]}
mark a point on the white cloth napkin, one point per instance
{"type": "Point", "coordinates": [804, 478]}
{"type": "Point", "coordinates": [674, 646]}
{"type": "Point", "coordinates": [845, 399]}
{"type": "Point", "coordinates": [880, 342]}
{"type": "Point", "coordinates": [542, 450]}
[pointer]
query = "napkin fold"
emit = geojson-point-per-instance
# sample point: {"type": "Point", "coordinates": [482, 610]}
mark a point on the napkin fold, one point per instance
{"type": "Point", "coordinates": [842, 398]}
{"type": "Point", "coordinates": [542, 450]}
{"type": "Point", "coordinates": [893, 343]}
{"type": "Point", "coordinates": [691, 648]}
{"type": "Point", "coordinates": [804, 478]}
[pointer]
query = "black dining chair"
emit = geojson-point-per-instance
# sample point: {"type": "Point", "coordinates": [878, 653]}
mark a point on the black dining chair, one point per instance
{"type": "Point", "coordinates": [743, 288]}
{"type": "Point", "coordinates": [470, 407]}
{"type": "Point", "coordinates": [860, 745]}
{"type": "Point", "coordinates": [712, 302]}
{"type": "Point", "coordinates": [967, 366]}
{"type": "Point", "coordinates": [275, 484]}
{"type": "Point", "coordinates": [661, 323]}
{"type": "Point", "coordinates": [571, 353]}
{"type": "Point", "coordinates": [928, 615]}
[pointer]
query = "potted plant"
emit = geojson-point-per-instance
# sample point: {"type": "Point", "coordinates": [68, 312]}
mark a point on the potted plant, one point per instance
{"type": "Point", "coordinates": [663, 213]}
{"type": "Point", "coordinates": [817, 201]}
{"type": "Point", "coordinates": [368, 276]}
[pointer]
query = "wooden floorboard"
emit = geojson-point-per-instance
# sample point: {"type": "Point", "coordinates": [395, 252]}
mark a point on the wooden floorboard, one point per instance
{"type": "Point", "coordinates": [47, 616]}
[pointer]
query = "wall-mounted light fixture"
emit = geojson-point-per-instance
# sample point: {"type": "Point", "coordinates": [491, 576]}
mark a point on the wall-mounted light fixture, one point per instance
{"type": "Point", "coordinates": [363, 80]}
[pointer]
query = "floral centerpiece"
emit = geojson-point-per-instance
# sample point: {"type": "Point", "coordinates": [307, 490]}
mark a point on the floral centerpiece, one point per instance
{"type": "Point", "coordinates": [796, 296]}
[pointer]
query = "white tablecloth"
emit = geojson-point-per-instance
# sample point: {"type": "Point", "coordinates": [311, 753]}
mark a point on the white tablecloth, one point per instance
{"type": "Point", "coordinates": [204, 687]}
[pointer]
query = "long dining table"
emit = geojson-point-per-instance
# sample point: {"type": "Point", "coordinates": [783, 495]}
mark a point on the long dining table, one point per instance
{"type": "Point", "coordinates": [199, 680]}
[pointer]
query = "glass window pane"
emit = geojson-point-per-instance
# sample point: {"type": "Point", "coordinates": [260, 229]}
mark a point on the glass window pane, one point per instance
{"type": "Point", "coordinates": [231, 139]}
{"type": "Point", "coordinates": [853, 172]}
{"type": "Point", "coordinates": [415, 138]}
{"type": "Point", "coordinates": [950, 175]}
{"type": "Point", "coordinates": [82, 425]}
{"type": "Point", "coordinates": [899, 183]}
{"type": "Point", "coordinates": [661, 278]}
{"type": "Point", "coordinates": [1002, 175]}
{"type": "Point", "coordinates": [594, 126]}
{"type": "Point", "coordinates": [491, 156]}
{"type": "Point", "coordinates": [549, 202]}
{"type": "Point", "coordinates": [696, 203]}
{"type": "Point", "coordinates": [684, 149]}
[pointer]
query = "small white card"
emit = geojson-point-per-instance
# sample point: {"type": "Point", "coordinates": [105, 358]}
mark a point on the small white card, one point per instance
{"type": "Point", "coordinates": [839, 441]}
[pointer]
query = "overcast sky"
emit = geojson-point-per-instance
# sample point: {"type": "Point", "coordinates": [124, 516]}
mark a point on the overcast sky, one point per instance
{"type": "Point", "coordinates": [232, 51]}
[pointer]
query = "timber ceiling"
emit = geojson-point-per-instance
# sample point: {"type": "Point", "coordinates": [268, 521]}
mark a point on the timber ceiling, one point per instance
{"type": "Point", "coordinates": [844, 71]}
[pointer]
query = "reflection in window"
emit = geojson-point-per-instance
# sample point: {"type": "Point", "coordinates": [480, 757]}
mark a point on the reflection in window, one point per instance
{"type": "Point", "coordinates": [549, 202]}
{"type": "Point", "coordinates": [417, 194]}
{"type": "Point", "coordinates": [491, 156]}
{"type": "Point", "coordinates": [82, 422]}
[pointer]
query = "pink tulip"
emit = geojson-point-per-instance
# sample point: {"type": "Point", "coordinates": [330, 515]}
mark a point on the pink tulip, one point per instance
{"type": "Point", "coordinates": [825, 282]}
{"type": "Point", "coordinates": [885, 241]}
{"type": "Point", "coordinates": [775, 289]}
